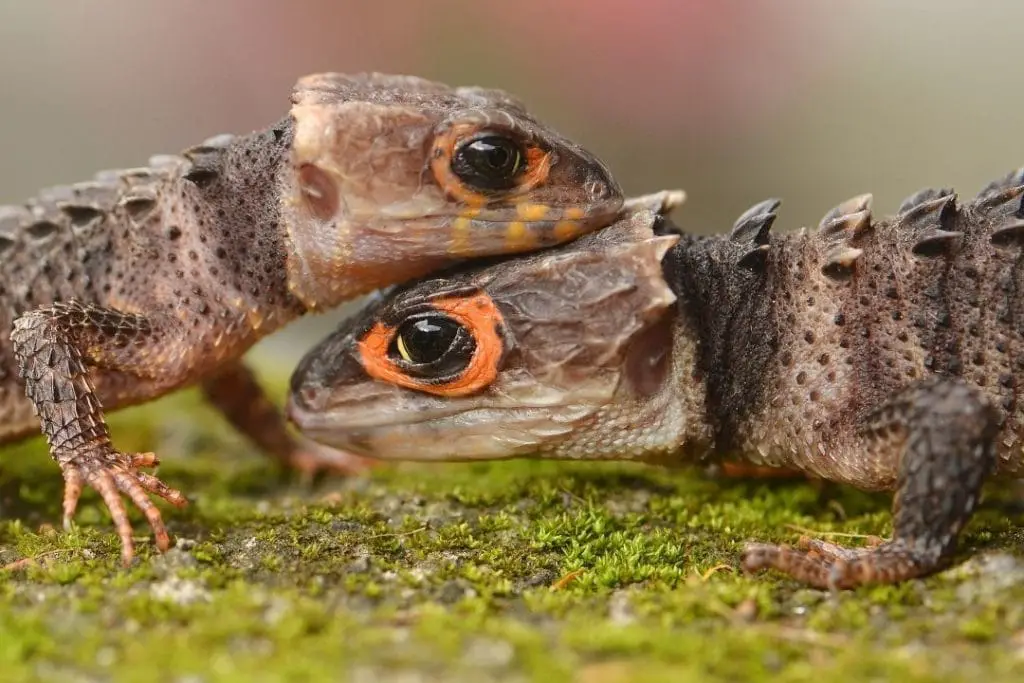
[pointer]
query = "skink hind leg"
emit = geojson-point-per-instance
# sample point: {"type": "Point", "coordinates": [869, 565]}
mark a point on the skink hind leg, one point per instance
{"type": "Point", "coordinates": [54, 347]}
{"type": "Point", "coordinates": [236, 392]}
{"type": "Point", "coordinates": [948, 433]}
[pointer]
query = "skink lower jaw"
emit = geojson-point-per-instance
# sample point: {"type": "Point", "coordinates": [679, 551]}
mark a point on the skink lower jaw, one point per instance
{"type": "Point", "coordinates": [319, 427]}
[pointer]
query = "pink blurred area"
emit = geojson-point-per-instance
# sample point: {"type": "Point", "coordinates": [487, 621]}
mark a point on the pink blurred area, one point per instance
{"type": "Point", "coordinates": [656, 66]}
{"type": "Point", "coordinates": [662, 65]}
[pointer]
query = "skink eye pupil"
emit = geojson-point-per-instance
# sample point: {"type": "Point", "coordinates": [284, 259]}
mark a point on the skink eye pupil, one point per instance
{"type": "Point", "coordinates": [425, 340]}
{"type": "Point", "coordinates": [497, 157]}
{"type": "Point", "coordinates": [488, 162]}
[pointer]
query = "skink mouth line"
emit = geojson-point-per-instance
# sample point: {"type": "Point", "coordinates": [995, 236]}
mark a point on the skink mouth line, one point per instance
{"type": "Point", "coordinates": [309, 421]}
{"type": "Point", "coordinates": [321, 421]}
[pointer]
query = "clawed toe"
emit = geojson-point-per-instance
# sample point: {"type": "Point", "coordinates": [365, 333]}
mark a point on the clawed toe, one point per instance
{"type": "Point", "coordinates": [825, 565]}
{"type": "Point", "coordinates": [807, 567]}
{"type": "Point", "coordinates": [829, 551]}
{"type": "Point", "coordinates": [114, 475]}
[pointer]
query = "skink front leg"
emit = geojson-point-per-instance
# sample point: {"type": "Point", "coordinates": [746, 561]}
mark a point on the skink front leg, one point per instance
{"type": "Point", "coordinates": [57, 351]}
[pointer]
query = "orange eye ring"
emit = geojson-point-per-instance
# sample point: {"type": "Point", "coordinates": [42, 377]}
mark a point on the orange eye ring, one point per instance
{"type": "Point", "coordinates": [477, 314]}
{"type": "Point", "coordinates": [537, 160]}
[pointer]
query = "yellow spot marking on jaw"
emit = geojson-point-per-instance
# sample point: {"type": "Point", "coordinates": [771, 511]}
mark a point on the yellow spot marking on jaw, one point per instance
{"type": "Point", "coordinates": [475, 203]}
{"type": "Point", "coordinates": [532, 212]}
{"type": "Point", "coordinates": [565, 230]}
{"type": "Point", "coordinates": [517, 236]}
{"type": "Point", "coordinates": [461, 228]}
{"type": "Point", "coordinates": [572, 213]}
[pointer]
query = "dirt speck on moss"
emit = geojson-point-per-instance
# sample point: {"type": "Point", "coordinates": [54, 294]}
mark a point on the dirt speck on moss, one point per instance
{"type": "Point", "coordinates": [513, 571]}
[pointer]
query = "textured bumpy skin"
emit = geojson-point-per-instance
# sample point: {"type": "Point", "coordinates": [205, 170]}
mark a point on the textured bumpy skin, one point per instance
{"type": "Point", "coordinates": [885, 354]}
{"type": "Point", "coordinates": [120, 289]}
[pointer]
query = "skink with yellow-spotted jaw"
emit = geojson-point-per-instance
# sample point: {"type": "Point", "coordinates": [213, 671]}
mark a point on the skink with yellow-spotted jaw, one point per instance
{"type": "Point", "coordinates": [118, 290]}
{"type": "Point", "coordinates": [394, 182]}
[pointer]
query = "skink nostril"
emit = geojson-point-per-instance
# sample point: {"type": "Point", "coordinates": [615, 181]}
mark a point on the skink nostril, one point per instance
{"type": "Point", "coordinates": [598, 190]}
{"type": "Point", "coordinates": [299, 402]}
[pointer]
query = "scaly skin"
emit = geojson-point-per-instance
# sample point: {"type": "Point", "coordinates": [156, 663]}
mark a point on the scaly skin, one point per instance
{"type": "Point", "coordinates": [121, 289]}
{"type": "Point", "coordinates": [881, 354]}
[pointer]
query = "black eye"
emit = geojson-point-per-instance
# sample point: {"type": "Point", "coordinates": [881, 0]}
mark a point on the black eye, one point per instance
{"type": "Point", "coordinates": [488, 162]}
{"type": "Point", "coordinates": [425, 340]}
{"type": "Point", "coordinates": [432, 346]}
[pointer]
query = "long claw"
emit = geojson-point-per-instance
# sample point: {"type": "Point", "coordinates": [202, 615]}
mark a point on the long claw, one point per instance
{"type": "Point", "coordinates": [106, 486]}
{"type": "Point", "coordinates": [72, 493]}
{"type": "Point", "coordinates": [145, 460]}
{"type": "Point", "coordinates": [138, 495]}
{"type": "Point", "coordinates": [158, 488]}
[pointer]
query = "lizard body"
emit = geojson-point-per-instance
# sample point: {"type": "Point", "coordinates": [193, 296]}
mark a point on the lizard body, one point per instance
{"type": "Point", "coordinates": [885, 354]}
{"type": "Point", "coordinates": [118, 290]}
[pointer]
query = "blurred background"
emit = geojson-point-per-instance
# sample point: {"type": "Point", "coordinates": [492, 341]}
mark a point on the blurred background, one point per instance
{"type": "Point", "coordinates": [734, 101]}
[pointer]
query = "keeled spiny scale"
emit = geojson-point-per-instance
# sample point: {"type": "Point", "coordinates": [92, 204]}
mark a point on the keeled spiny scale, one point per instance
{"type": "Point", "coordinates": [82, 216]}
{"type": "Point", "coordinates": [1007, 203]}
{"type": "Point", "coordinates": [846, 227]}
{"type": "Point", "coordinates": [85, 205]}
{"type": "Point", "coordinates": [217, 142]}
{"type": "Point", "coordinates": [140, 204]}
{"type": "Point", "coordinates": [1001, 200]}
{"type": "Point", "coordinates": [847, 220]}
{"type": "Point", "coordinates": [12, 222]}
{"type": "Point", "coordinates": [162, 163]}
{"type": "Point", "coordinates": [840, 261]}
{"type": "Point", "coordinates": [139, 188]}
{"type": "Point", "coordinates": [1013, 179]}
{"type": "Point", "coordinates": [41, 229]}
{"type": "Point", "coordinates": [921, 197]}
{"type": "Point", "coordinates": [1011, 235]}
{"type": "Point", "coordinates": [937, 242]}
{"type": "Point", "coordinates": [926, 217]}
{"type": "Point", "coordinates": [103, 196]}
{"type": "Point", "coordinates": [207, 158]}
{"type": "Point", "coordinates": [840, 229]}
{"type": "Point", "coordinates": [934, 209]}
{"type": "Point", "coordinates": [754, 226]}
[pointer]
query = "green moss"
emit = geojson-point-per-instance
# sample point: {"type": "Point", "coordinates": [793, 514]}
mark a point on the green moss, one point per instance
{"type": "Point", "coordinates": [517, 570]}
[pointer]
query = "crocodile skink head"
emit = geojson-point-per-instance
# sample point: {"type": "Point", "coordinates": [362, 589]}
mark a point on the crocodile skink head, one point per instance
{"type": "Point", "coordinates": [534, 355]}
{"type": "Point", "coordinates": [391, 177]}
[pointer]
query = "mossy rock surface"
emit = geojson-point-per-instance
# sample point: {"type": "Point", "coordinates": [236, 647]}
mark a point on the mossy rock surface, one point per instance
{"type": "Point", "coordinates": [512, 571]}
